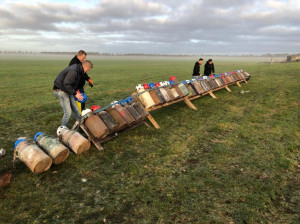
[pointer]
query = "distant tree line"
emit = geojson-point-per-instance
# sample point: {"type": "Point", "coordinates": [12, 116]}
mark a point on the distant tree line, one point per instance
{"type": "Point", "coordinates": [143, 54]}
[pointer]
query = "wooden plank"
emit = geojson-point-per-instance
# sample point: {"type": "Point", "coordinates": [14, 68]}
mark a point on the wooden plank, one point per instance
{"type": "Point", "coordinates": [153, 121]}
{"type": "Point", "coordinates": [190, 104]}
{"type": "Point", "coordinates": [91, 137]}
{"type": "Point", "coordinates": [115, 134]}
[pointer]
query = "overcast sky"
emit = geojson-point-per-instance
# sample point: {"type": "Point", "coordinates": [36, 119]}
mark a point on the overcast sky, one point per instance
{"type": "Point", "coordinates": [151, 26]}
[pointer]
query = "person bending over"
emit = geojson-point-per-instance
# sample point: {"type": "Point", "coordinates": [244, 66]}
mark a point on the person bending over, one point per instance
{"type": "Point", "coordinates": [209, 67]}
{"type": "Point", "coordinates": [66, 86]}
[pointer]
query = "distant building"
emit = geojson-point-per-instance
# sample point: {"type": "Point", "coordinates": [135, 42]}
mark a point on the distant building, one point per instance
{"type": "Point", "coordinates": [293, 58]}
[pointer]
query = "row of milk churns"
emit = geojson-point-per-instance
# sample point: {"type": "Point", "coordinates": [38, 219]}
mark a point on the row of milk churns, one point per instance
{"type": "Point", "coordinates": [38, 155]}
{"type": "Point", "coordinates": [120, 115]}
{"type": "Point", "coordinates": [153, 94]}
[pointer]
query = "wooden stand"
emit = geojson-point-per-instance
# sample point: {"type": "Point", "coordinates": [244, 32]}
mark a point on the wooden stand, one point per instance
{"type": "Point", "coordinates": [187, 100]}
{"type": "Point", "coordinates": [97, 142]}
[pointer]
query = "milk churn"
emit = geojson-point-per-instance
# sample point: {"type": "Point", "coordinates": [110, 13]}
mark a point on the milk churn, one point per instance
{"type": "Point", "coordinates": [174, 93]}
{"type": "Point", "coordinates": [139, 108]}
{"type": "Point", "coordinates": [198, 87]}
{"type": "Point", "coordinates": [108, 121]}
{"type": "Point", "coordinates": [73, 139]}
{"type": "Point", "coordinates": [191, 90]}
{"type": "Point", "coordinates": [165, 94]}
{"type": "Point", "coordinates": [183, 89]}
{"type": "Point", "coordinates": [204, 84]}
{"type": "Point", "coordinates": [218, 82]}
{"type": "Point", "coordinates": [160, 96]}
{"type": "Point", "coordinates": [212, 83]}
{"type": "Point", "coordinates": [32, 155]}
{"type": "Point", "coordinates": [192, 84]}
{"type": "Point", "coordinates": [57, 151]}
{"type": "Point", "coordinates": [169, 91]}
{"type": "Point", "coordinates": [178, 91]}
{"type": "Point", "coordinates": [154, 97]}
{"type": "Point", "coordinates": [95, 125]}
{"type": "Point", "coordinates": [118, 118]}
{"type": "Point", "coordinates": [145, 98]}
{"type": "Point", "coordinates": [125, 114]}
{"type": "Point", "coordinates": [137, 117]}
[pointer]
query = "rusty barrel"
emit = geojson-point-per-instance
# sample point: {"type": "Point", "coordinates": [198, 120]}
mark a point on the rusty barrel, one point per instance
{"type": "Point", "coordinates": [57, 151]}
{"type": "Point", "coordinates": [73, 140]}
{"type": "Point", "coordinates": [32, 155]}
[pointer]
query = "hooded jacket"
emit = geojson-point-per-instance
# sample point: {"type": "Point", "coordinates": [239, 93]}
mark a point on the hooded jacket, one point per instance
{"type": "Point", "coordinates": [69, 79]}
{"type": "Point", "coordinates": [209, 69]}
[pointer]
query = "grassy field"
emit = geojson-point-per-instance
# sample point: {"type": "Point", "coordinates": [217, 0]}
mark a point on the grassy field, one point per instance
{"type": "Point", "coordinates": [234, 160]}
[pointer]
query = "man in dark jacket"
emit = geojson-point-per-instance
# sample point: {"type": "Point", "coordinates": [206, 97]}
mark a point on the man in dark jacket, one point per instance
{"type": "Point", "coordinates": [196, 70]}
{"type": "Point", "coordinates": [66, 86]}
{"type": "Point", "coordinates": [78, 59]}
{"type": "Point", "coordinates": [209, 67]}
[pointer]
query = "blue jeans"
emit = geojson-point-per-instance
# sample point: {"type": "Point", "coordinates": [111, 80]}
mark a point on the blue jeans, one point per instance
{"type": "Point", "coordinates": [68, 104]}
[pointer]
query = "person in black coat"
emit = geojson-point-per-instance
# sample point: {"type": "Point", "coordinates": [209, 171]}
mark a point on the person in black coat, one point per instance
{"type": "Point", "coordinates": [209, 67]}
{"type": "Point", "coordinates": [66, 86]}
{"type": "Point", "coordinates": [196, 70]}
{"type": "Point", "coordinates": [78, 59]}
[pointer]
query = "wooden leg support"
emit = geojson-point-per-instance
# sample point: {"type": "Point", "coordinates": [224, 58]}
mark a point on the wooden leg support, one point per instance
{"type": "Point", "coordinates": [151, 119]}
{"type": "Point", "coordinates": [91, 137]}
{"type": "Point", "coordinates": [190, 104]}
{"type": "Point", "coordinates": [238, 84]}
{"type": "Point", "coordinates": [212, 95]}
{"type": "Point", "coordinates": [229, 90]}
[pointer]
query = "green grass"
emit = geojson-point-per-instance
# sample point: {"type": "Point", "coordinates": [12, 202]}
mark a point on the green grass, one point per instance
{"type": "Point", "coordinates": [234, 159]}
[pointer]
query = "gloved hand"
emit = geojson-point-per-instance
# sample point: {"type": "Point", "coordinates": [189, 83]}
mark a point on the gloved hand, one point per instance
{"type": "Point", "coordinates": [91, 84]}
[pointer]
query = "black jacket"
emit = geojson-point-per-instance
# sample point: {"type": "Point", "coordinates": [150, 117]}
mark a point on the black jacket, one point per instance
{"type": "Point", "coordinates": [196, 71]}
{"type": "Point", "coordinates": [209, 68]}
{"type": "Point", "coordinates": [69, 79]}
{"type": "Point", "coordinates": [85, 77]}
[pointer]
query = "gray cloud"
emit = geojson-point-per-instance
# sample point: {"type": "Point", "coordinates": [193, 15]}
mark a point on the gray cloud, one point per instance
{"type": "Point", "coordinates": [153, 26]}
